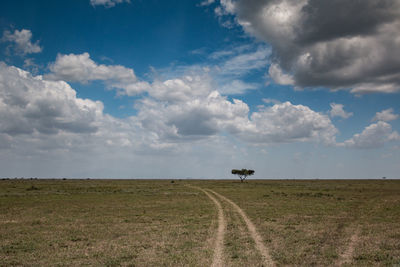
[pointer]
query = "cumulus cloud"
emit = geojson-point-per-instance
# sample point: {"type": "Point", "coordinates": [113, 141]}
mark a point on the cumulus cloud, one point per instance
{"type": "Point", "coordinates": [187, 108]}
{"type": "Point", "coordinates": [338, 111]}
{"type": "Point", "coordinates": [186, 116]}
{"type": "Point", "coordinates": [385, 115]}
{"type": "Point", "coordinates": [180, 89]}
{"type": "Point", "coordinates": [373, 136]}
{"type": "Point", "coordinates": [107, 3]}
{"type": "Point", "coordinates": [22, 41]}
{"type": "Point", "coordinates": [30, 104]}
{"type": "Point", "coordinates": [226, 73]}
{"type": "Point", "coordinates": [351, 47]}
{"type": "Point", "coordinates": [81, 68]}
{"type": "Point", "coordinates": [285, 122]}
{"type": "Point", "coordinates": [175, 111]}
{"type": "Point", "coordinates": [182, 119]}
{"type": "Point", "coordinates": [42, 115]}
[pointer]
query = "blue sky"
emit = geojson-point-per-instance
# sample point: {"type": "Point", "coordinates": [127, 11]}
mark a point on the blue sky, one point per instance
{"type": "Point", "coordinates": [163, 89]}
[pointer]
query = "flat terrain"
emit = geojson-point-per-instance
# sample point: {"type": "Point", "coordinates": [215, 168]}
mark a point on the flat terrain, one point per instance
{"type": "Point", "coordinates": [199, 223]}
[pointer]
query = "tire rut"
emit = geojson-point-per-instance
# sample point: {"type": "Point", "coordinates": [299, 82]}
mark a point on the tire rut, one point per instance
{"type": "Point", "coordinates": [218, 258]}
{"type": "Point", "coordinates": [252, 229]}
{"type": "Point", "coordinates": [347, 255]}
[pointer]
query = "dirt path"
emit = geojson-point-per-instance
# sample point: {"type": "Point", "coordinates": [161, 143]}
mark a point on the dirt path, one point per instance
{"type": "Point", "coordinates": [347, 255]}
{"type": "Point", "coordinates": [218, 259]}
{"type": "Point", "coordinates": [252, 229]}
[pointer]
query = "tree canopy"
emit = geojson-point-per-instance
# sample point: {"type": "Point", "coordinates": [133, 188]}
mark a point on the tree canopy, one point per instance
{"type": "Point", "coordinates": [243, 173]}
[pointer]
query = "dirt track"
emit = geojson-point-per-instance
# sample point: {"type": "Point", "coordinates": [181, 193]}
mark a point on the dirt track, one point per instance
{"type": "Point", "coordinates": [347, 255]}
{"type": "Point", "coordinates": [252, 229]}
{"type": "Point", "coordinates": [218, 259]}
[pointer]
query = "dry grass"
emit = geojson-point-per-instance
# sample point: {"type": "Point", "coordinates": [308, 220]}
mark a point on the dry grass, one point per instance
{"type": "Point", "coordinates": [156, 222]}
{"type": "Point", "coordinates": [145, 223]}
{"type": "Point", "coordinates": [312, 222]}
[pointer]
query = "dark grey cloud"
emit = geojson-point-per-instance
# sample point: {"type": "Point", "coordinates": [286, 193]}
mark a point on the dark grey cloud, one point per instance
{"type": "Point", "coordinates": [336, 44]}
{"type": "Point", "coordinates": [197, 122]}
{"type": "Point", "coordinates": [327, 20]}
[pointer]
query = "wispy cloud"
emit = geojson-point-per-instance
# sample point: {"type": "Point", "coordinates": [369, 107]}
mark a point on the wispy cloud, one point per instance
{"type": "Point", "coordinates": [107, 3]}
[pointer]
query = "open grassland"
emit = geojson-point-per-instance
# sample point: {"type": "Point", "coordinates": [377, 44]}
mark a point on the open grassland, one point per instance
{"type": "Point", "coordinates": [160, 223]}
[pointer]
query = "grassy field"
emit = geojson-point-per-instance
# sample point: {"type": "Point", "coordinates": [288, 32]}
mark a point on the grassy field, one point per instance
{"type": "Point", "coordinates": [165, 223]}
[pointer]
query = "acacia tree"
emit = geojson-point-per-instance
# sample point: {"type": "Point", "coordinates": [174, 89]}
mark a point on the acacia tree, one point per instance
{"type": "Point", "coordinates": [243, 173]}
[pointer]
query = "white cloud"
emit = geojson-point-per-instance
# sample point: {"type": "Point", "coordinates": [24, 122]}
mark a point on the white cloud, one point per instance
{"type": "Point", "coordinates": [48, 115]}
{"type": "Point", "coordinates": [180, 89]}
{"type": "Point", "coordinates": [81, 68]}
{"type": "Point", "coordinates": [285, 123]}
{"type": "Point", "coordinates": [30, 104]}
{"type": "Point", "coordinates": [107, 3]}
{"type": "Point", "coordinates": [188, 109]}
{"type": "Point", "coordinates": [41, 115]}
{"type": "Point", "coordinates": [198, 118]}
{"type": "Point", "coordinates": [276, 73]}
{"type": "Point", "coordinates": [22, 42]}
{"type": "Point", "coordinates": [373, 136]}
{"type": "Point", "coordinates": [385, 115]}
{"type": "Point", "coordinates": [338, 111]}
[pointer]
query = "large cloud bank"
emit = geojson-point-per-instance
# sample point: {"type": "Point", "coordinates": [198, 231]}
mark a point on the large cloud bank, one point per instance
{"type": "Point", "coordinates": [173, 112]}
{"type": "Point", "coordinates": [36, 110]}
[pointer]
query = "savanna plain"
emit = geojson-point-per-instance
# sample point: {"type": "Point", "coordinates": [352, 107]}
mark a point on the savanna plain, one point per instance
{"type": "Point", "coordinates": [77, 222]}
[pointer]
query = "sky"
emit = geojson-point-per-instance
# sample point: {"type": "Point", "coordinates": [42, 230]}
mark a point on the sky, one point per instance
{"type": "Point", "coordinates": [293, 89]}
